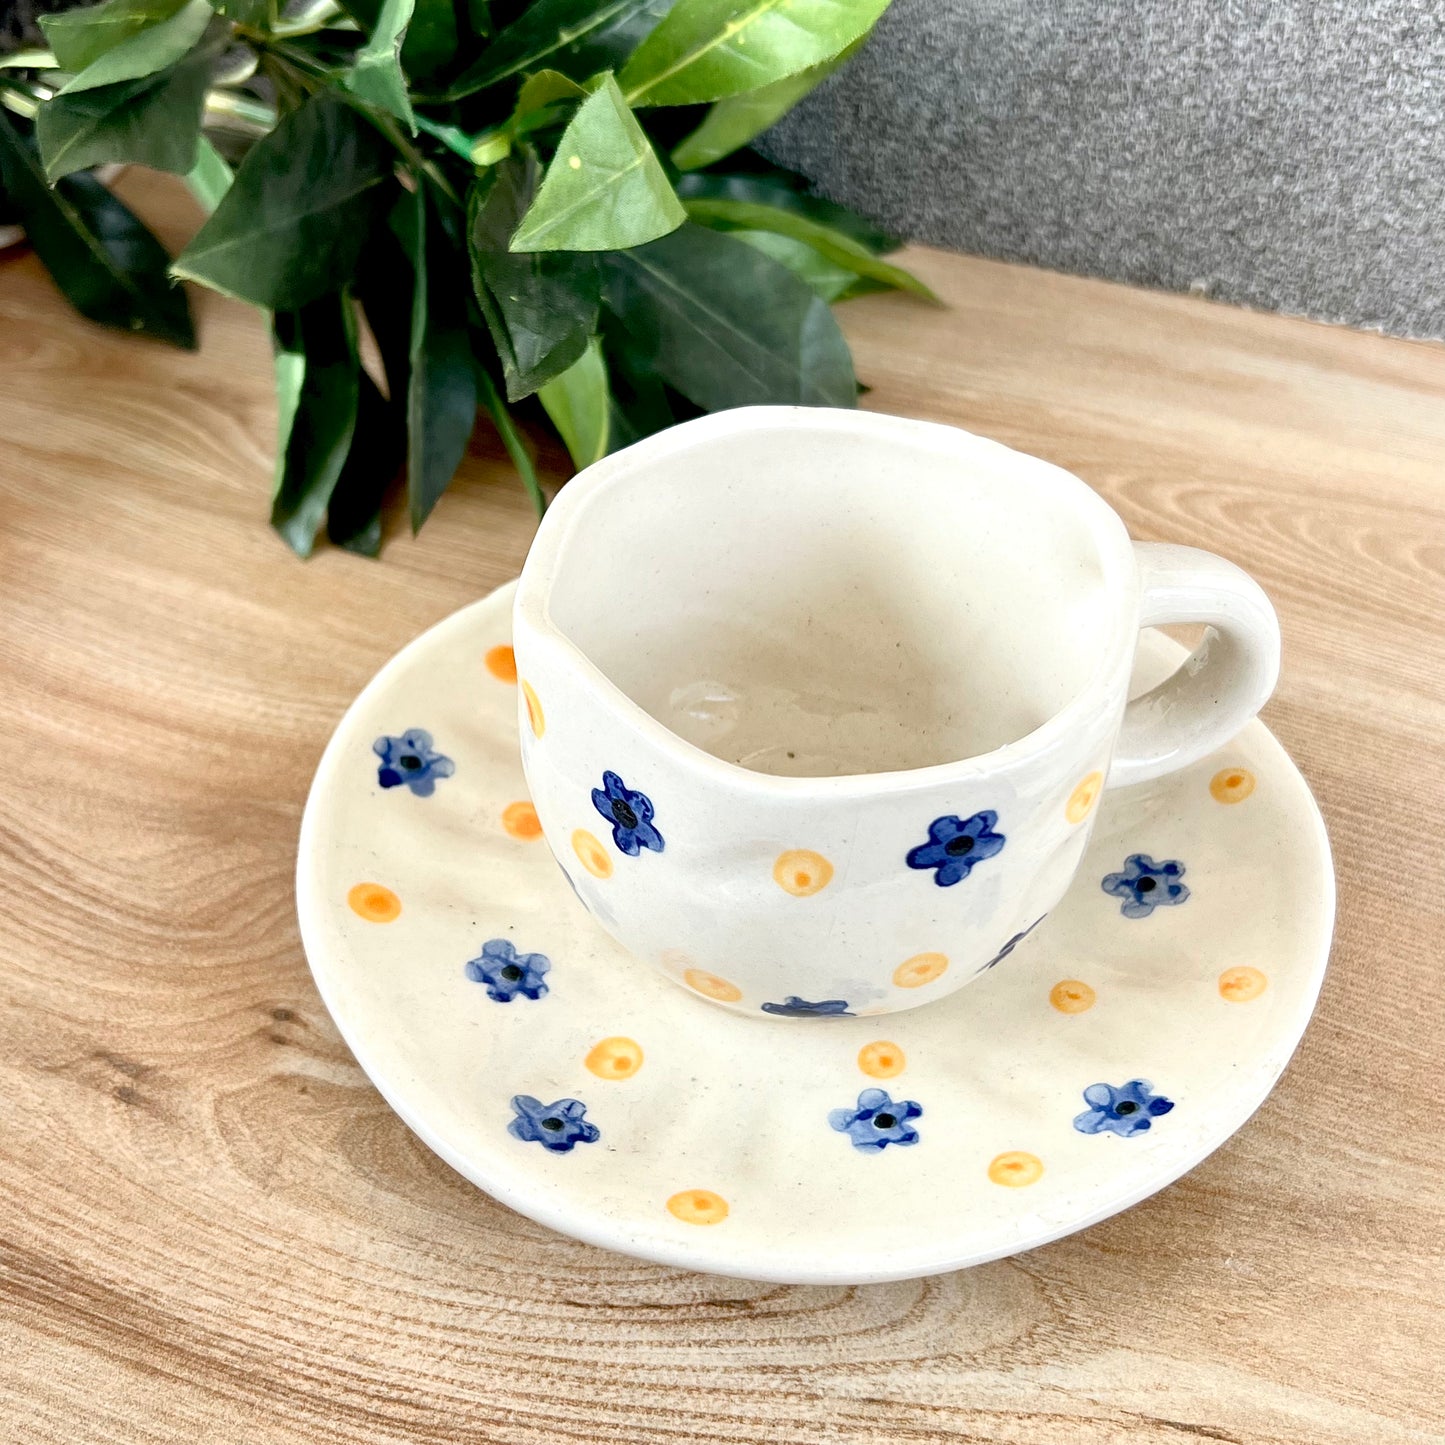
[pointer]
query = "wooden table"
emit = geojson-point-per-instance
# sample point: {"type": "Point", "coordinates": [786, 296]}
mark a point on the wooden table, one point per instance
{"type": "Point", "coordinates": [213, 1230]}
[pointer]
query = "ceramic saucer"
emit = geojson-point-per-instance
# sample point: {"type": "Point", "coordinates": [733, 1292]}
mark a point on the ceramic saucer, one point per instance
{"type": "Point", "coordinates": [1129, 1036]}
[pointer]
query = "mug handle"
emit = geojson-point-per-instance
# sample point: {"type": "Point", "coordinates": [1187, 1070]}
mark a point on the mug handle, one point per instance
{"type": "Point", "coordinates": [1221, 685]}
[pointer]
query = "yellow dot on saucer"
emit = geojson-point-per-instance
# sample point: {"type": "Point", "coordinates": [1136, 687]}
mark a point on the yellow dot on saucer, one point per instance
{"type": "Point", "coordinates": [595, 858]}
{"type": "Point", "coordinates": [802, 872]}
{"type": "Point", "coordinates": [881, 1060]}
{"type": "Point", "coordinates": [615, 1058]}
{"type": "Point", "coordinates": [1082, 799]}
{"type": "Point", "coordinates": [520, 820]}
{"type": "Point", "coordinates": [374, 903]}
{"type": "Point", "coordinates": [1016, 1168]}
{"type": "Point", "coordinates": [1242, 984]}
{"type": "Point", "coordinates": [1072, 996]}
{"type": "Point", "coordinates": [711, 986]}
{"type": "Point", "coordinates": [502, 663]}
{"type": "Point", "coordinates": [922, 968]}
{"type": "Point", "coordinates": [575, 162]}
{"type": "Point", "coordinates": [698, 1206]}
{"type": "Point", "coordinates": [1231, 785]}
{"type": "Point", "coordinates": [535, 715]}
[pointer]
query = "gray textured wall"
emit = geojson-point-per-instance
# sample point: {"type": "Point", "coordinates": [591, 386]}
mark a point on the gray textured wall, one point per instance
{"type": "Point", "coordinates": [1287, 155]}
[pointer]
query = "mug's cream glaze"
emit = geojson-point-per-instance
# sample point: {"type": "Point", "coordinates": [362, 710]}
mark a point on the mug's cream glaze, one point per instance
{"type": "Point", "coordinates": [827, 699]}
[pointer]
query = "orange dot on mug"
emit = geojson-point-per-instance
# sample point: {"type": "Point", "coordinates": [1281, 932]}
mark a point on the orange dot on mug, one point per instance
{"type": "Point", "coordinates": [502, 663]}
{"type": "Point", "coordinates": [1082, 799]}
{"type": "Point", "coordinates": [535, 715]}
{"type": "Point", "coordinates": [1242, 984]}
{"type": "Point", "coordinates": [881, 1059]}
{"type": "Point", "coordinates": [802, 872]}
{"type": "Point", "coordinates": [615, 1058]}
{"type": "Point", "coordinates": [595, 858]}
{"type": "Point", "coordinates": [520, 820]}
{"type": "Point", "coordinates": [711, 986]}
{"type": "Point", "coordinates": [1231, 785]}
{"type": "Point", "coordinates": [374, 903]}
{"type": "Point", "coordinates": [1016, 1169]}
{"type": "Point", "coordinates": [922, 968]}
{"type": "Point", "coordinates": [1072, 996]}
{"type": "Point", "coordinates": [698, 1206]}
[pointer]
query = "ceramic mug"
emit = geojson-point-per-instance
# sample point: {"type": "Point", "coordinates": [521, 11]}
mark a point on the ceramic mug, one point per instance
{"type": "Point", "coordinates": [817, 705]}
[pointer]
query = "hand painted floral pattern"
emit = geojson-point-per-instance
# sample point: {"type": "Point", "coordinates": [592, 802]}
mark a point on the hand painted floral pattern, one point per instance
{"type": "Point", "coordinates": [877, 1121]}
{"type": "Point", "coordinates": [629, 813]}
{"type": "Point", "coordinates": [1127, 1110]}
{"type": "Point", "coordinates": [409, 760]}
{"type": "Point", "coordinates": [794, 1007]}
{"type": "Point", "coordinates": [508, 973]}
{"type": "Point", "coordinates": [1145, 885]}
{"type": "Point", "coordinates": [955, 845]}
{"type": "Point", "coordinates": [558, 1127]}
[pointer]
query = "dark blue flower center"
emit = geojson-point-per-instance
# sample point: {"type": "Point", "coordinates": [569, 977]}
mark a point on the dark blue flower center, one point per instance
{"type": "Point", "coordinates": [551, 1125]}
{"type": "Point", "coordinates": [511, 973]}
{"type": "Point", "coordinates": [410, 762]}
{"type": "Point", "coordinates": [1146, 885]}
{"type": "Point", "coordinates": [957, 847]}
{"type": "Point", "coordinates": [623, 813]}
{"type": "Point", "coordinates": [1125, 1109]}
{"type": "Point", "coordinates": [884, 1121]}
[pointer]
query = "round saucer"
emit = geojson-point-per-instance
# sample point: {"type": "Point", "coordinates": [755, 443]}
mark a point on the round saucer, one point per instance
{"type": "Point", "coordinates": [1120, 1043]}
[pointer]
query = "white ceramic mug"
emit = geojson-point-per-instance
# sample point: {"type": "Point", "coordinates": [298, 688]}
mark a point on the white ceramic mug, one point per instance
{"type": "Point", "coordinates": [818, 705]}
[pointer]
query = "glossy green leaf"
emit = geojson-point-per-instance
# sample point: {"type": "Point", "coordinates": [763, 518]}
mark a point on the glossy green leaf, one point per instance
{"type": "Point", "coordinates": [543, 89]}
{"type": "Point", "coordinates": [726, 325]}
{"type": "Point", "coordinates": [98, 253]}
{"type": "Point", "coordinates": [605, 189]}
{"type": "Point", "coordinates": [373, 461]}
{"type": "Point", "coordinates": [375, 75]}
{"type": "Point", "coordinates": [827, 280]}
{"type": "Point", "coordinates": [258, 14]}
{"type": "Point", "coordinates": [294, 221]}
{"type": "Point", "coordinates": [317, 388]}
{"type": "Point", "coordinates": [431, 39]}
{"type": "Point", "coordinates": [709, 49]}
{"type": "Point", "coordinates": [576, 37]}
{"type": "Point", "coordinates": [210, 178]}
{"type": "Point", "coordinates": [147, 51]}
{"type": "Point", "coordinates": [540, 308]}
{"type": "Point", "coordinates": [578, 403]}
{"type": "Point", "coordinates": [79, 37]}
{"type": "Point", "coordinates": [788, 191]}
{"type": "Point", "coordinates": [640, 405]}
{"type": "Point", "coordinates": [512, 439]}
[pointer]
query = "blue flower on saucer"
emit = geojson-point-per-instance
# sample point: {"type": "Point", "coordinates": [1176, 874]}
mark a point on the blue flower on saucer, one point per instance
{"type": "Point", "coordinates": [410, 760]}
{"type": "Point", "coordinates": [629, 813]}
{"type": "Point", "coordinates": [794, 1007]}
{"type": "Point", "coordinates": [1013, 943]}
{"type": "Point", "coordinates": [557, 1127]}
{"type": "Point", "coordinates": [1128, 1110]}
{"type": "Point", "coordinates": [877, 1122]}
{"type": "Point", "coordinates": [956, 844]}
{"type": "Point", "coordinates": [508, 973]}
{"type": "Point", "coordinates": [1145, 885]}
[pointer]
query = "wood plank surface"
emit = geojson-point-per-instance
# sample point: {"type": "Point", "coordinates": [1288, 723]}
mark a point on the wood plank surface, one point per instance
{"type": "Point", "coordinates": [213, 1230]}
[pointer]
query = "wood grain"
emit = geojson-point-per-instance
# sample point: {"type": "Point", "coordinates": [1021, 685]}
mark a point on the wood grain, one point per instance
{"type": "Point", "coordinates": [212, 1229]}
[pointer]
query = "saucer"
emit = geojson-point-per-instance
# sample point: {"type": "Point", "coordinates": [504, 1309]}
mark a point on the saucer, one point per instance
{"type": "Point", "coordinates": [1123, 1040]}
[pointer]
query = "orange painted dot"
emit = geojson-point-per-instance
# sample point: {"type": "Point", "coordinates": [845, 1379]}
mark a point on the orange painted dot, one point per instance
{"type": "Point", "coordinates": [520, 820]}
{"type": "Point", "coordinates": [1016, 1168]}
{"type": "Point", "coordinates": [1072, 996]}
{"type": "Point", "coordinates": [881, 1060]}
{"type": "Point", "coordinates": [374, 903]}
{"type": "Point", "coordinates": [711, 986]}
{"type": "Point", "coordinates": [1231, 785]}
{"type": "Point", "coordinates": [1240, 985]}
{"type": "Point", "coordinates": [615, 1058]}
{"type": "Point", "coordinates": [1082, 799]}
{"type": "Point", "coordinates": [535, 715]}
{"type": "Point", "coordinates": [502, 663]}
{"type": "Point", "coordinates": [595, 858]}
{"type": "Point", "coordinates": [922, 968]}
{"type": "Point", "coordinates": [802, 872]}
{"type": "Point", "coordinates": [698, 1206]}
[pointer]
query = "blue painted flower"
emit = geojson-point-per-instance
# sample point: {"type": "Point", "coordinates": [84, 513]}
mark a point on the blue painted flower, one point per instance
{"type": "Point", "coordinates": [1013, 943]}
{"type": "Point", "coordinates": [794, 1007]}
{"type": "Point", "coordinates": [409, 759]}
{"type": "Point", "coordinates": [508, 973]}
{"type": "Point", "coordinates": [1130, 1109]}
{"type": "Point", "coordinates": [955, 845]}
{"type": "Point", "coordinates": [630, 815]}
{"type": "Point", "coordinates": [877, 1122]}
{"type": "Point", "coordinates": [557, 1127]}
{"type": "Point", "coordinates": [1145, 885]}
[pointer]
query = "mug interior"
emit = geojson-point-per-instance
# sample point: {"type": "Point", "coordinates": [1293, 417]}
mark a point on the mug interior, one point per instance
{"type": "Point", "coordinates": [815, 599]}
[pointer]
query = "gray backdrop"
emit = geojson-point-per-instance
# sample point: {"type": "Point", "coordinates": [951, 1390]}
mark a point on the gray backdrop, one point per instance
{"type": "Point", "coordinates": [1288, 155]}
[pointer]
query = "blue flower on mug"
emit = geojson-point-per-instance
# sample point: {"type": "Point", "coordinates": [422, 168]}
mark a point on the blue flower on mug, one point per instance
{"type": "Point", "coordinates": [410, 759]}
{"type": "Point", "coordinates": [794, 1007]}
{"type": "Point", "coordinates": [1013, 943]}
{"type": "Point", "coordinates": [1145, 885]}
{"type": "Point", "coordinates": [878, 1121]}
{"type": "Point", "coordinates": [629, 813]}
{"type": "Point", "coordinates": [508, 973]}
{"type": "Point", "coordinates": [1128, 1110]}
{"type": "Point", "coordinates": [955, 845]}
{"type": "Point", "coordinates": [557, 1127]}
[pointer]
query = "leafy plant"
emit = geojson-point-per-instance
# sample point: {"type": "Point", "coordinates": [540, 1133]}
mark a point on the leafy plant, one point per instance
{"type": "Point", "coordinates": [546, 208]}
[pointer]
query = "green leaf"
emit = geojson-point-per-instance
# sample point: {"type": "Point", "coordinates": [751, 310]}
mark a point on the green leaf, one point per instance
{"type": "Point", "coordinates": [544, 88]}
{"type": "Point", "coordinates": [817, 272]}
{"type": "Point", "coordinates": [376, 75]}
{"type": "Point", "coordinates": [709, 49]}
{"type": "Point", "coordinates": [840, 249]}
{"type": "Point", "coordinates": [540, 308]}
{"type": "Point", "coordinates": [576, 37]}
{"type": "Point", "coordinates": [378, 444]}
{"type": "Point", "coordinates": [105, 261]}
{"type": "Point", "coordinates": [294, 221]}
{"type": "Point", "coordinates": [726, 325]}
{"type": "Point", "coordinates": [787, 191]}
{"type": "Point", "coordinates": [80, 36]}
{"type": "Point", "coordinates": [605, 189]}
{"type": "Point", "coordinates": [317, 389]}
{"type": "Point", "coordinates": [257, 14]}
{"type": "Point", "coordinates": [578, 403]}
{"type": "Point", "coordinates": [146, 51]}
{"type": "Point", "coordinates": [431, 39]}
{"type": "Point", "coordinates": [210, 178]}
{"type": "Point", "coordinates": [512, 439]}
